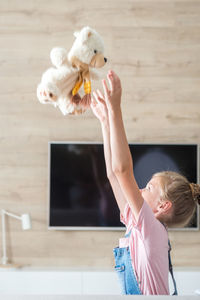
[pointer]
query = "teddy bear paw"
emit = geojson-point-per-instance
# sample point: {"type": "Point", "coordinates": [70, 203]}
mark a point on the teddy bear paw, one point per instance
{"type": "Point", "coordinates": [46, 95]}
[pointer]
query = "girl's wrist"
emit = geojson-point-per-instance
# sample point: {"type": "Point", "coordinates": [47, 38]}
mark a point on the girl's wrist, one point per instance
{"type": "Point", "coordinates": [105, 123]}
{"type": "Point", "coordinates": [114, 111]}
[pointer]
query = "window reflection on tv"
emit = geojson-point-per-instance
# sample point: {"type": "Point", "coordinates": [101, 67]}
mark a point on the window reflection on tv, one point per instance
{"type": "Point", "coordinates": [80, 193]}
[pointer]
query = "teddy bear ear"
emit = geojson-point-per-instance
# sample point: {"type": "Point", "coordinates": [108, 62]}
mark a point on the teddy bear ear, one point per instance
{"type": "Point", "coordinates": [85, 33]}
{"type": "Point", "coordinates": [76, 34]}
{"type": "Point", "coordinates": [86, 37]}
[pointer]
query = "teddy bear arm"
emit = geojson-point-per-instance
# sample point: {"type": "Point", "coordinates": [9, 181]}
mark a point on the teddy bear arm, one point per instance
{"type": "Point", "coordinates": [86, 75]}
{"type": "Point", "coordinates": [78, 84]}
{"type": "Point", "coordinates": [87, 82]}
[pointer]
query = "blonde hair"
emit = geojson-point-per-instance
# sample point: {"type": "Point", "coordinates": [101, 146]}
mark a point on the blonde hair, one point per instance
{"type": "Point", "coordinates": [183, 195]}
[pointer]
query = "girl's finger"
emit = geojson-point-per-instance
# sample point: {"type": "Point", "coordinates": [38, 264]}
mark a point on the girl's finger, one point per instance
{"type": "Point", "coordinates": [98, 99]}
{"type": "Point", "coordinates": [114, 75]}
{"type": "Point", "coordinates": [101, 97]}
{"type": "Point", "coordinates": [95, 96]}
{"type": "Point", "coordinates": [93, 102]}
{"type": "Point", "coordinates": [110, 81]}
{"type": "Point", "coordinates": [113, 79]}
{"type": "Point", "coordinates": [105, 88]}
{"type": "Point", "coordinates": [100, 94]}
{"type": "Point", "coordinates": [92, 108]}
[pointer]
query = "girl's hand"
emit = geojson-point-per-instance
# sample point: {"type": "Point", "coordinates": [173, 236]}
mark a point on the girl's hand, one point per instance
{"type": "Point", "coordinates": [98, 106]}
{"type": "Point", "coordinates": [113, 93]}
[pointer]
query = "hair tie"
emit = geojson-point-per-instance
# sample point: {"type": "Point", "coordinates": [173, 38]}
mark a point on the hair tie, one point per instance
{"type": "Point", "coordinates": [195, 194]}
{"type": "Point", "coordinates": [192, 189]}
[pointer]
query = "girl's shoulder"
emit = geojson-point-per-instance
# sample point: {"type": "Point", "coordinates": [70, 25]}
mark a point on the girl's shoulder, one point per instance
{"type": "Point", "coordinates": [149, 226]}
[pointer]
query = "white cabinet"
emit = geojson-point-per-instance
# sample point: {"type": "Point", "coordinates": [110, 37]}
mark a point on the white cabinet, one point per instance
{"type": "Point", "coordinates": [67, 282]}
{"type": "Point", "coordinates": [187, 282]}
{"type": "Point", "coordinates": [100, 283]}
{"type": "Point", "coordinates": [55, 282]}
{"type": "Point", "coordinates": [40, 282]}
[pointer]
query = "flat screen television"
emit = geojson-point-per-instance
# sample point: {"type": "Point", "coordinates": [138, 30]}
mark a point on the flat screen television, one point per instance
{"type": "Point", "coordinates": [80, 195]}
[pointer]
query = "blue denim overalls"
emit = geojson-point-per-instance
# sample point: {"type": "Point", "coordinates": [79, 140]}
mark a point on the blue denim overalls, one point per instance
{"type": "Point", "coordinates": [124, 268]}
{"type": "Point", "coordinates": [126, 273]}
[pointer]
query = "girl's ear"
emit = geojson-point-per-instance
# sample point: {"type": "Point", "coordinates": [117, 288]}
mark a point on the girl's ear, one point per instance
{"type": "Point", "coordinates": [165, 206]}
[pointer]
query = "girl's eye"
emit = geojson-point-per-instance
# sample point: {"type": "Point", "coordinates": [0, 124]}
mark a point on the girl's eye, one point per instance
{"type": "Point", "coordinates": [148, 187]}
{"type": "Point", "coordinates": [95, 51]}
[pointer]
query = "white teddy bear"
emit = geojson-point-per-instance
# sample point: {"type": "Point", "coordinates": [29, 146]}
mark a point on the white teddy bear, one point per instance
{"type": "Point", "coordinates": [60, 84]}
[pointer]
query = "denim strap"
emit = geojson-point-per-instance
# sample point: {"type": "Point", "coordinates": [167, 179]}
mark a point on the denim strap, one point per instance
{"type": "Point", "coordinates": [171, 269]}
{"type": "Point", "coordinates": [170, 265]}
{"type": "Point", "coordinates": [128, 234]}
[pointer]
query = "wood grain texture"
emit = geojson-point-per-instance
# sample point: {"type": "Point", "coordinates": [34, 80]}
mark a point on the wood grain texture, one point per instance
{"type": "Point", "coordinates": [155, 48]}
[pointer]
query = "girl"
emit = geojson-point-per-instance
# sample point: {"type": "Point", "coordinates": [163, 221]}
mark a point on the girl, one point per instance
{"type": "Point", "coordinates": [168, 199]}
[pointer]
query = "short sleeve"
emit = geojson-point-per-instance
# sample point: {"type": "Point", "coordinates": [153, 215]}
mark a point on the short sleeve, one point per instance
{"type": "Point", "coordinates": [124, 214]}
{"type": "Point", "coordinates": [146, 222]}
{"type": "Point", "coordinates": [127, 218]}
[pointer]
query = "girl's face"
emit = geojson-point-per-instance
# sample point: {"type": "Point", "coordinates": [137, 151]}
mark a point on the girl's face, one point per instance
{"type": "Point", "coordinates": [152, 194]}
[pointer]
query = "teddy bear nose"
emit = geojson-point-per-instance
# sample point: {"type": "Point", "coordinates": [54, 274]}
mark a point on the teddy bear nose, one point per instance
{"type": "Point", "coordinates": [105, 59]}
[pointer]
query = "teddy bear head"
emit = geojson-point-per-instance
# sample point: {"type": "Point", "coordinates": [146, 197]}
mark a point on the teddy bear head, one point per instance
{"type": "Point", "coordinates": [88, 48]}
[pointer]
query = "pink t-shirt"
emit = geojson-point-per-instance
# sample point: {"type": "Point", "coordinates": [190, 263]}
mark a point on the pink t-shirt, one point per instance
{"type": "Point", "coordinates": [148, 245]}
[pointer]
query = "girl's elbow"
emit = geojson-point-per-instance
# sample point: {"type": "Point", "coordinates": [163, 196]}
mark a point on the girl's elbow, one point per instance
{"type": "Point", "coordinates": [120, 169]}
{"type": "Point", "coordinates": [124, 167]}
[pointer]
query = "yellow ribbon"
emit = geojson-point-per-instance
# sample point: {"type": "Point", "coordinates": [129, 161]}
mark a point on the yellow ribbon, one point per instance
{"type": "Point", "coordinates": [77, 87]}
{"type": "Point", "coordinates": [87, 87]}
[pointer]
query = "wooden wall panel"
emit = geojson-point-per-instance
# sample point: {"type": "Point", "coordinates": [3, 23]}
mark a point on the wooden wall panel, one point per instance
{"type": "Point", "coordinates": [153, 46]}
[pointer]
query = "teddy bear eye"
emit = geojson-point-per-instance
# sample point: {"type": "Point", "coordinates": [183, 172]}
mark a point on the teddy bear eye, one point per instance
{"type": "Point", "coordinates": [51, 95]}
{"type": "Point", "coordinates": [95, 51]}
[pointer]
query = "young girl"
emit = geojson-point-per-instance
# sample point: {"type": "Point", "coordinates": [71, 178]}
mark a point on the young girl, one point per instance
{"type": "Point", "coordinates": [168, 199]}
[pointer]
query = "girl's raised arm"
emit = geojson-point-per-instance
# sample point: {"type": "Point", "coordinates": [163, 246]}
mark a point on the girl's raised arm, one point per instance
{"type": "Point", "coordinates": [122, 164]}
{"type": "Point", "coordinates": [100, 111]}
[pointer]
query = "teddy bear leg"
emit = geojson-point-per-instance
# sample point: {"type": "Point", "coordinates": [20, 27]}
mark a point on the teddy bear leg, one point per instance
{"type": "Point", "coordinates": [75, 99]}
{"type": "Point", "coordinates": [86, 100]}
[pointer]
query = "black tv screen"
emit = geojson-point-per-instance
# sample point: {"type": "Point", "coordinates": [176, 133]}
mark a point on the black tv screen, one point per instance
{"type": "Point", "coordinates": [80, 195]}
